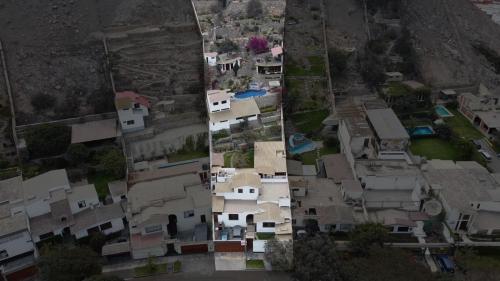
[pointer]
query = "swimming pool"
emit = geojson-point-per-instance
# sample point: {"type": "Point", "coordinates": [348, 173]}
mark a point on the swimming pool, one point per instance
{"type": "Point", "coordinates": [300, 144]}
{"type": "Point", "coordinates": [422, 131]}
{"type": "Point", "coordinates": [249, 93]}
{"type": "Point", "coordinates": [443, 111]}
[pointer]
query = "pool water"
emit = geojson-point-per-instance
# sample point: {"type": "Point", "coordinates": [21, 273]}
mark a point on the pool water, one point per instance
{"type": "Point", "coordinates": [300, 144]}
{"type": "Point", "coordinates": [443, 112]}
{"type": "Point", "coordinates": [422, 131]}
{"type": "Point", "coordinates": [249, 93]}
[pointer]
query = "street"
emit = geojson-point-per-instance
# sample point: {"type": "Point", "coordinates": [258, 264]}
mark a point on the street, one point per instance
{"type": "Point", "coordinates": [494, 164]}
{"type": "Point", "coordinates": [221, 276]}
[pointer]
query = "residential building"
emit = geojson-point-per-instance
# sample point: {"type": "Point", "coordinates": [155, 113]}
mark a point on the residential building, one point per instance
{"type": "Point", "coordinates": [482, 111]}
{"type": "Point", "coordinates": [393, 77]}
{"type": "Point", "coordinates": [390, 134]}
{"type": "Point", "coordinates": [218, 100]}
{"type": "Point", "coordinates": [470, 195]}
{"type": "Point", "coordinates": [131, 108]}
{"type": "Point", "coordinates": [227, 62]}
{"type": "Point", "coordinates": [169, 214]}
{"type": "Point", "coordinates": [17, 249]}
{"type": "Point", "coordinates": [232, 113]}
{"type": "Point", "coordinates": [211, 58]}
{"type": "Point", "coordinates": [95, 132]}
{"type": "Point", "coordinates": [54, 207]}
{"type": "Point", "coordinates": [249, 203]}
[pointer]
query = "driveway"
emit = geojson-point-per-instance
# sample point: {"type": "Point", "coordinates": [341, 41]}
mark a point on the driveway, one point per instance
{"type": "Point", "coordinates": [494, 164]}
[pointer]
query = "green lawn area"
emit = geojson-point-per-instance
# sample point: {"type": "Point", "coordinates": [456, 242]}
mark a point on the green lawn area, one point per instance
{"type": "Point", "coordinates": [434, 148]}
{"type": "Point", "coordinates": [309, 158]}
{"type": "Point", "coordinates": [142, 271]}
{"type": "Point", "coordinates": [227, 159]}
{"type": "Point", "coordinates": [462, 127]}
{"type": "Point", "coordinates": [240, 160]}
{"type": "Point", "coordinates": [100, 181]}
{"type": "Point", "coordinates": [177, 266]}
{"type": "Point", "coordinates": [317, 64]}
{"type": "Point", "coordinates": [176, 157]}
{"type": "Point", "coordinates": [309, 121]}
{"type": "Point", "coordinates": [255, 264]}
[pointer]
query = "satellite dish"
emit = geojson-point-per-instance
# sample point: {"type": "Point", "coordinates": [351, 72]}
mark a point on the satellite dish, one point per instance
{"type": "Point", "coordinates": [432, 207]}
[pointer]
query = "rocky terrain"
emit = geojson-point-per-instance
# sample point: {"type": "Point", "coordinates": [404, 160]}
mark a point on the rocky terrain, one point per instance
{"type": "Point", "coordinates": [53, 48]}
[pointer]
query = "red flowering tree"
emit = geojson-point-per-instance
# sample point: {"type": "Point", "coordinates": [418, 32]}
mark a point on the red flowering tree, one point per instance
{"type": "Point", "coordinates": [258, 45]}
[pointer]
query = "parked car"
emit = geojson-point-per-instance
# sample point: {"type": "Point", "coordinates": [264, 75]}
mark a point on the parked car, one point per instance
{"type": "Point", "coordinates": [485, 154]}
{"type": "Point", "coordinates": [445, 263]}
{"type": "Point", "coordinates": [477, 143]}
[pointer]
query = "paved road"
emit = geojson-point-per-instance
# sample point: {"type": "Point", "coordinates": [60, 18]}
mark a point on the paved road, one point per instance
{"type": "Point", "coordinates": [222, 276]}
{"type": "Point", "coordinates": [494, 164]}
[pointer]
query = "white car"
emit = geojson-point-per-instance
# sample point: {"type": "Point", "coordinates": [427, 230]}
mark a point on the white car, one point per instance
{"type": "Point", "coordinates": [485, 154]}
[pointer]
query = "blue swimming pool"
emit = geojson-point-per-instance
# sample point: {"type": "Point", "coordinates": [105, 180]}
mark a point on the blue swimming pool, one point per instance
{"type": "Point", "coordinates": [300, 144]}
{"type": "Point", "coordinates": [422, 131]}
{"type": "Point", "coordinates": [443, 111]}
{"type": "Point", "coordinates": [249, 93]}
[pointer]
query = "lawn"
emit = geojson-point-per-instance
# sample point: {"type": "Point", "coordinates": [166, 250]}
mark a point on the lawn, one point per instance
{"type": "Point", "coordinates": [146, 270]}
{"type": "Point", "coordinates": [100, 181]}
{"type": "Point", "coordinates": [176, 157]}
{"type": "Point", "coordinates": [434, 148]}
{"type": "Point", "coordinates": [462, 127]}
{"type": "Point", "coordinates": [307, 122]}
{"type": "Point", "coordinates": [265, 235]}
{"type": "Point", "coordinates": [317, 67]}
{"type": "Point", "coordinates": [309, 158]}
{"type": "Point", "coordinates": [240, 160]}
{"type": "Point", "coordinates": [255, 264]}
{"type": "Point", "coordinates": [227, 159]}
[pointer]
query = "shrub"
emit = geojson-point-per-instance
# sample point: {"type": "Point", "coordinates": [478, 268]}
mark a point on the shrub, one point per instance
{"type": "Point", "coordinates": [254, 9]}
{"type": "Point", "coordinates": [48, 140]}
{"type": "Point", "coordinates": [227, 46]}
{"type": "Point", "coordinates": [258, 45]}
{"type": "Point", "coordinates": [77, 153]}
{"type": "Point", "coordinates": [338, 61]}
{"type": "Point", "coordinates": [42, 101]}
{"type": "Point", "coordinates": [113, 163]}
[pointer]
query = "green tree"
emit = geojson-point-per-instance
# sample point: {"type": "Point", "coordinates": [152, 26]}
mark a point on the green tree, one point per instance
{"type": "Point", "coordinates": [279, 254]}
{"type": "Point", "coordinates": [68, 264]}
{"type": "Point", "coordinates": [48, 140]}
{"type": "Point", "coordinates": [364, 236]}
{"type": "Point", "coordinates": [315, 259]}
{"type": "Point", "coordinates": [338, 62]}
{"type": "Point", "coordinates": [77, 153]}
{"type": "Point", "coordinates": [385, 264]}
{"type": "Point", "coordinates": [477, 267]}
{"type": "Point", "coordinates": [113, 163]}
{"type": "Point", "coordinates": [102, 277]}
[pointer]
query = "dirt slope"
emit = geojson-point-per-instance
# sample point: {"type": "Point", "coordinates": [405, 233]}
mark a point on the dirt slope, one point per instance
{"type": "Point", "coordinates": [444, 32]}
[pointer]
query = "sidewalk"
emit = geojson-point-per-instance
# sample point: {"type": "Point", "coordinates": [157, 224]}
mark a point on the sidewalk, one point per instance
{"type": "Point", "coordinates": [190, 263]}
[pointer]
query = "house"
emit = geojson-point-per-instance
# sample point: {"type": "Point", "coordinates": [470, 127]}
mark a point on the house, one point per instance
{"type": "Point", "coordinates": [54, 207]}
{"type": "Point", "coordinates": [218, 100]}
{"type": "Point", "coordinates": [250, 203]}
{"type": "Point", "coordinates": [17, 249]}
{"type": "Point", "coordinates": [239, 112]}
{"type": "Point", "coordinates": [470, 195]}
{"type": "Point", "coordinates": [270, 63]}
{"type": "Point", "coordinates": [227, 62]}
{"type": "Point", "coordinates": [390, 134]}
{"type": "Point", "coordinates": [391, 184]}
{"type": "Point", "coordinates": [482, 111]}
{"type": "Point", "coordinates": [393, 77]}
{"type": "Point", "coordinates": [356, 138]}
{"type": "Point", "coordinates": [211, 58]}
{"type": "Point", "coordinates": [131, 108]}
{"type": "Point", "coordinates": [118, 190]}
{"type": "Point", "coordinates": [336, 167]}
{"type": "Point", "coordinates": [169, 215]}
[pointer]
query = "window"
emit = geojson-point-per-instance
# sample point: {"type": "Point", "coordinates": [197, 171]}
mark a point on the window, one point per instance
{"type": "Point", "coordinates": [465, 217]}
{"type": "Point", "coordinates": [64, 219]}
{"type": "Point", "coordinates": [130, 122]}
{"type": "Point", "coordinates": [224, 102]}
{"type": "Point", "coordinates": [312, 211]}
{"type": "Point", "coordinates": [46, 235]}
{"type": "Point", "coordinates": [189, 214]}
{"type": "Point", "coordinates": [216, 103]}
{"type": "Point", "coordinates": [233, 217]}
{"type": "Point", "coordinates": [82, 204]}
{"type": "Point", "coordinates": [240, 190]}
{"type": "Point", "coordinates": [3, 254]}
{"type": "Point", "coordinates": [478, 205]}
{"type": "Point", "coordinates": [268, 224]}
{"type": "Point", "coordinates": [252, 190]}
{"type": "Point", "coordinates": [105, 226]}
{"type": "Point", "coordinates": [403, 228]}
{"type": "Point", "coordinates": [153, 228]}
{"type": "Point", "coordinates": [136, 105]}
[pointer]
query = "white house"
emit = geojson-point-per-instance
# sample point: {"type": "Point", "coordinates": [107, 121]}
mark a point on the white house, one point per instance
{"type": "Point", "coordinates": [211, 58]}
{"type": "Point", "coordinates": [249, 202]}
{"type": "Point", "coordinates": [56, 208]}
{"type": "Point", "coordinates": [469, 193]}
{"type": "Point", "coordinates": [218, 100]}
{"type": "Point", "coordinates": [17, 250]}
{"type": "Point", "coordinates": [239, 111]}
{"type": "Point", "coordinates": [131, 108]}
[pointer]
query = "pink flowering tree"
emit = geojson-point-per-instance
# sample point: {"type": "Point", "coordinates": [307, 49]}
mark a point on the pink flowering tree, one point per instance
{"type": "Point", "coordinates": [258, 45]}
